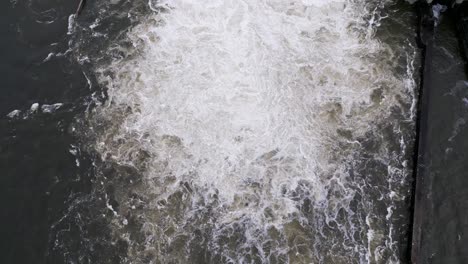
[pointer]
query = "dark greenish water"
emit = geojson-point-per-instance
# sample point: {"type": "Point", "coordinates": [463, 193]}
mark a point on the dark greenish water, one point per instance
{"type": "Point", "coordinates": [218, 132]}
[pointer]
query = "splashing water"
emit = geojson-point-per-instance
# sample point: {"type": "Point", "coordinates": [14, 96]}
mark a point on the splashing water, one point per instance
{"type": "Point", "coordinates": [251, 132]}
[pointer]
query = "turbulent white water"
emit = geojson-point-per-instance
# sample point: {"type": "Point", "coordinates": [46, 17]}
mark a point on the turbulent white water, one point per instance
{"type": "Point", "coordinates": [245, 121]}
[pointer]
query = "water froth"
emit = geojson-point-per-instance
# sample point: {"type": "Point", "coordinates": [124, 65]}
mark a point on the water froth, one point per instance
{"type": "Point", "coordinates": [244, 119]}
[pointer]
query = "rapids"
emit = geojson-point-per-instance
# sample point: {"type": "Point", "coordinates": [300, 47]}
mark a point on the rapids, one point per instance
{"type": "Point", "coordinates": [256, 132]}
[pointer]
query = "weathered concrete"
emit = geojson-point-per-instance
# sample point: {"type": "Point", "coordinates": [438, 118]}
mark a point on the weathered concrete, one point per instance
{"type": "Point", "coordinates": [440, 220]}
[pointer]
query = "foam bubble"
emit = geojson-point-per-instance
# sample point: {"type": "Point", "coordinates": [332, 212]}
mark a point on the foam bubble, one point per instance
{"type": "Point", "coordinates": [14, 114]}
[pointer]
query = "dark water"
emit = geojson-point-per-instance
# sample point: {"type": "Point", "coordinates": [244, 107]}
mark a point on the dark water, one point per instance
{"type": "Point", "coordinates": [53, 208]}
{"type": "Point", "coordinates": [38, 174]}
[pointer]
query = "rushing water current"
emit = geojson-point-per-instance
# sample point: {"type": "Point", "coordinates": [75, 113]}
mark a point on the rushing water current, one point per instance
{"type": "Point", "coordinates": [252, 131]}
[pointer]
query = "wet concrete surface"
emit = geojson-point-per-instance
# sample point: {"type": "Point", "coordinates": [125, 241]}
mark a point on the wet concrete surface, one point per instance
{"type": "Point", "coordinates": [441, 210]}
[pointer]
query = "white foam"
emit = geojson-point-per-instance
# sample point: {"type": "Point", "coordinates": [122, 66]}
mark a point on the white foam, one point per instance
{"type": "Point", "coordinates": [14, 114]}
{"type": "Point", "coordinates": [48, 109]}
{"type": "Point", "coordinates": [71, 24]}
{"type": "Point", "coordinates": [234, 81]}
{"type": "Point", "coordinates": [34, 107]}
{"type": "Point", "coordinates": [228, 95]}
{"type": "Point", "coordinates": [49, 57]}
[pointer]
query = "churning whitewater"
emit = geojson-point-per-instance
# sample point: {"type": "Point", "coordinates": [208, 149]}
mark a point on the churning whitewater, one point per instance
{"type": "Point", "coordinates": [257, 131]}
